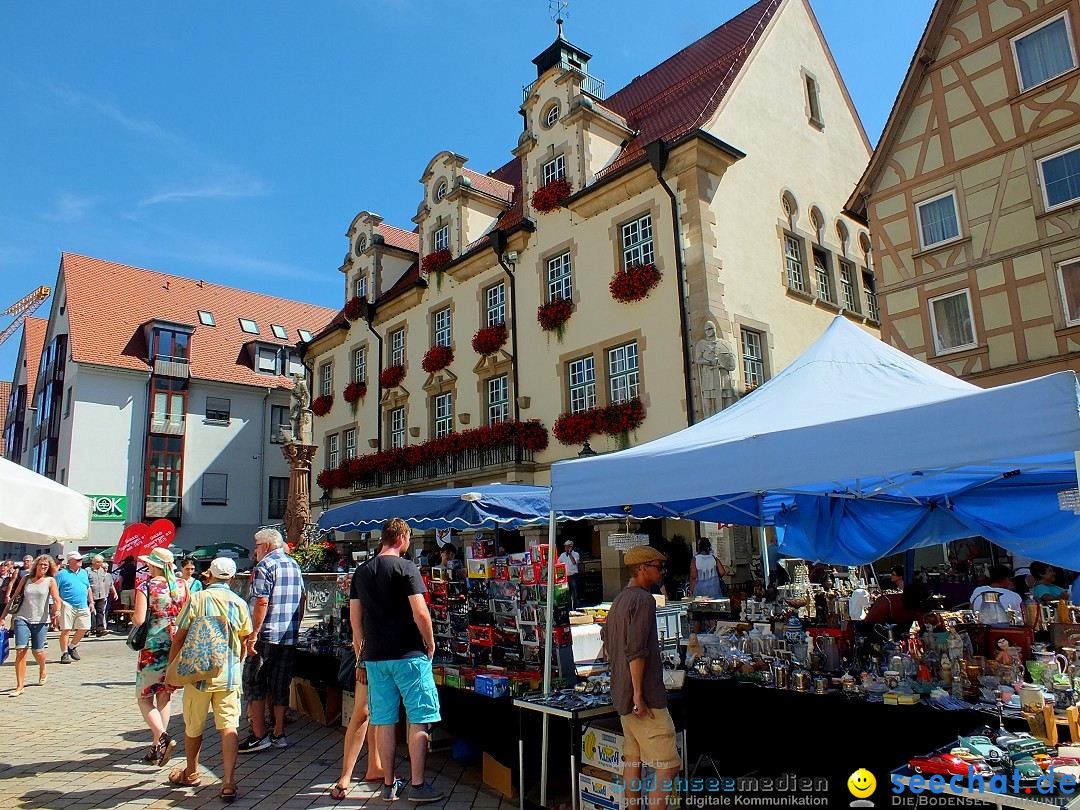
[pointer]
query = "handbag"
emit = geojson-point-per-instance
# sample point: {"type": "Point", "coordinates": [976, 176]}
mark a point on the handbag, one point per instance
{"type": "Point", "coordinates": [16, 601]}
{"type": "Point", "coordinates": [5, 645]}
{"type": "Point", "coordinates": [346, 674]}
{"type": "Point", "coordinates": [136, 637]}
{"type": "Point", "coordinates": [205, 652]}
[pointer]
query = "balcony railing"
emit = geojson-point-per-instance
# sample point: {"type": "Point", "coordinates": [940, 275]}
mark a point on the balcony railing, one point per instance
{"type": "Point", "coordinates": [171, 424]}
{"type": "Point", "coordinates": [597, 88]}
{"type": "Point", "coordinates": [163, 506]}
{"type": "Point", "coordinates": [464, 461]}
{"type": "Point", "coordinates": [166, 366]}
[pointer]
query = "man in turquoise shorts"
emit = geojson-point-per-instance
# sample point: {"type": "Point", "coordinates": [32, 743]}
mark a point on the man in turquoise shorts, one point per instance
{"type": "Point", "coordinates": [396, 650]}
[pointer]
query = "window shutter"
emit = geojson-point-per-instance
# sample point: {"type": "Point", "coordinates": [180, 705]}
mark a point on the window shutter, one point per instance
{"type": "Point", "coordinates": [215, 488]}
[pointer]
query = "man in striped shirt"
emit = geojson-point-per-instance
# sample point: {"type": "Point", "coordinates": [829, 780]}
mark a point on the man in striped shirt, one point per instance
{"type": "Point", "coordinates": [221, 694]}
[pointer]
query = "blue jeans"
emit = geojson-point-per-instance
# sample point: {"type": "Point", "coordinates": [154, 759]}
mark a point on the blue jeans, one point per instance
{"type": "Point", "coordinates": [29, 634]}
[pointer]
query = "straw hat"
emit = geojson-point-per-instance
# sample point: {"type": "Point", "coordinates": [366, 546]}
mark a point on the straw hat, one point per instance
{"type": "Point", "coordinates": [159, 557]}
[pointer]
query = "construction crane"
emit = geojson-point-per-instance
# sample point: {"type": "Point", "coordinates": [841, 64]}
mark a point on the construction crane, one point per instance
{"type": "Point", "coordinates": [23, 309]}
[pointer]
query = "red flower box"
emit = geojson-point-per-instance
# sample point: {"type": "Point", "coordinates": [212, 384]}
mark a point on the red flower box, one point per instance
{"type": "Point", "coordinates": [354, 392]}
{"type": "Point", "coordinates": [355, 307]}
{"type": "Point", "coordinates": [549, 197]}
{"type": "Point", "coordinates": [614, 420]}
{"type": "Point", "coordinates": [436, 358]}
{"type": "Point", "coordinates": [490, 339]}
{"type": "Point", "coordinates": [634, 282]}
{"type": "Point", "coordinates": [436, 261]}
{"type": "Point", "coordinates": [321, 406]}
{"type": "Point", "coordinates": [391, 377]}
{"type": "Point", "coordinates": [554, 314]}
{"type": "Point", "coordinates": [333, 478]}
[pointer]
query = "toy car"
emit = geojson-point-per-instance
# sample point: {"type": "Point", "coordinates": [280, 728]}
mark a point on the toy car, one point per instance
{"type": "Point", "coordinates": [983, 747]}
{"type": "Point", "coordinates": [968, 756]}
{"type": "Point", "coordinates": [1025, 766]}
{"type": "Point", "coordinates": [1021, 748]}
{"type": "Point", "coordinates": [948, 765]}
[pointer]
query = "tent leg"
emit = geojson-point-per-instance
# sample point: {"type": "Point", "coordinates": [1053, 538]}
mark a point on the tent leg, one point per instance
{"type": "Point", "coordinates": [544, 761]}
{"type": "Point", "coordinates": [764, 540]}
{"type": "Point", "coordinates": [548, 650]}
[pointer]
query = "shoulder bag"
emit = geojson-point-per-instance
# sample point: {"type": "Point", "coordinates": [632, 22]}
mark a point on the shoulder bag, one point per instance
{"type": "Point", "coordinates": [205, 652]}
{"type": "Point", "coordinates": [136, 638]}
{"type": "Point", "coordinates": [16, 601]}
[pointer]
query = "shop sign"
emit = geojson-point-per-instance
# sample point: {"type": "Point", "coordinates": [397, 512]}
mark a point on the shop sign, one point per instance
{"type": "Point", "coordinates": [108, 507]}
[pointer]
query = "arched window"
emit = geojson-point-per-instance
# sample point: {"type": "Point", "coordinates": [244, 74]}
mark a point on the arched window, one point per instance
{"type": "Point", "coordinates": [842, 235]}
{"type": "Point", "coordinates": [790, 208]}
{"type": "Point", "coordinates": [817, 221]}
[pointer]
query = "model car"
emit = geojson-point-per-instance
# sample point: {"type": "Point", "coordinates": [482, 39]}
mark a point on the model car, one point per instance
{"type": "Point", "coordinates": [1018, 749]}
{"type": "Point", "coordinates": [1025, 766]}
{"type": "Point", "coordinates": [983, 747]}
{"type": "Point", "coordinates": [948, 765]}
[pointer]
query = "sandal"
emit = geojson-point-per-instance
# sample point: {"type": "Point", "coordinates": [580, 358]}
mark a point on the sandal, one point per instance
{"type": "Point", "coordinates": [337, 792]}
{"type": "Point", "coordinates": [166, 744]}
{"type": "Point", "coordinates": [228, 792]}
{"type": "Point", "coordinates": [180, 778]}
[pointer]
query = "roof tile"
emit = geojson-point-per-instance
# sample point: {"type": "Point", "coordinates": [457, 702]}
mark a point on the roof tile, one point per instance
{"type": "Point", "coordinates": [396, 237]}
{"type": "Point", "coordinates": [108, 304]}
{"type": "Point", "coordinates": [34, 330]}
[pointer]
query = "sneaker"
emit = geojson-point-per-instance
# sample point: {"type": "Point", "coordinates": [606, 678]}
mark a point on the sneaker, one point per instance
{"type": "Point", "coordinates": [74, 653]}
{"type": "Point", "coordinates": [279, 742]}
{"type": "Point", "coordinates": [392, 792]}
{"type": "Point", "coordinates": [425, 793]}
{"type": "Point", "coordinates": [65, 658]}
{"type": "Point", "coordinates": [253, 744]}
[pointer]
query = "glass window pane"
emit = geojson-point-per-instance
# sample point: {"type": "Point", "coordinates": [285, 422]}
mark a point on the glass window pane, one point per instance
{"type": "Point", "coordinates": [953, 328]}
{"type": "Point", "coordinates": [1070, 284]}
{"type": "Point", "coordinates": [938, 222]}
{"type": "Point", "coordinates": [1061, 177]}
{"type": "Point", "coordinates": [1044, 53]}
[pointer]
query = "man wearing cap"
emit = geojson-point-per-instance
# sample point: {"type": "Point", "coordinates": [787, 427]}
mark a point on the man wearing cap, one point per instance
{"type": "Point", "coordinates": [102, 587]}
{"type": "Point", "coordinates": [220, 694]}
{"type": "Point", "coordinates": [571, 559]}
{"type": "Point", "coordinates": [637, 680]}
{"type": "Point", "coordinates": [73, 583]}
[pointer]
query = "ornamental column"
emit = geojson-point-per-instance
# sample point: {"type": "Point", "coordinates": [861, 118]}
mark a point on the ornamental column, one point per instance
{"type": "Point", "coordinates": [298, 509]}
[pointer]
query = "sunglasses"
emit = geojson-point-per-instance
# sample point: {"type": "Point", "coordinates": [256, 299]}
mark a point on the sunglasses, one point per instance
{"type": "Point", "coordinates": [657, 566]}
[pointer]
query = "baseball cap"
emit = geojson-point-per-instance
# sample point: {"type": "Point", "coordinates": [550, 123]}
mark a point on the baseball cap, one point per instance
{"type": "Point", "coordinates": [223, 568]}
{"type": "Point", "coordinates": [74, 555]}
{"type": "Point", "coordinates": [568, 544]}
{"type": "Point", "coordinates": [642, 554]}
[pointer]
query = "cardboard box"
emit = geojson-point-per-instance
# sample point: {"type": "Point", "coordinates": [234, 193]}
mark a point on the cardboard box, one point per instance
{"type": "Point", "coordinates": [348, 703]}
{"type": "Point", "coordinates": [601, 746]}
{"type": "Point", "coordinates": [492, 685]}
{"type": "Point", "coordinates": [498, 777]}
{"type": "Point", "coordinates": [598, 793]}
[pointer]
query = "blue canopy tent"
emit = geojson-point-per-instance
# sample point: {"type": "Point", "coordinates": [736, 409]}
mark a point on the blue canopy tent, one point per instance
{"type": "Point", "coordinates": [855, 451]}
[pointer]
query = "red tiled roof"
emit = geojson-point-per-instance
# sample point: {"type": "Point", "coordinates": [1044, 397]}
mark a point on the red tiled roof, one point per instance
{"type": "Point", "coordinates": [680, 94]}
{"type": "Point", "coordinates": [489, 185]}
{"type": "Point", "coordinates": [396, 237]}
{"type": "Point", "coordinates": [5, 395]}
{"type": "Point", "coordinates": [510, 174]}
{"type": "Point", "coordinates": [335, 322]}
{"type": "Point", "coordinates": [34, 330]}
{"type": "Point", "coordinates": [109, 303]}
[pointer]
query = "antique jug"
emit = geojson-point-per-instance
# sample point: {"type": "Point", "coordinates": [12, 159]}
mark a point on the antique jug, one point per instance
{"type": "Point", "coordinates": [801, 680]}
{"type": "Point", "coordinates": [829, 648]}
{"type": "Point", "coordinates": [991, 611]}
{"type": "Point", "coordinates": [793, 631]}
{"type": "Point", "coordinates": [779, 671]}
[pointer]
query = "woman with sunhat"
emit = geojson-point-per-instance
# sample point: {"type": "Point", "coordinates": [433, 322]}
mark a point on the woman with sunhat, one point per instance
{"type": "Point", "coordinates": [158, 601]}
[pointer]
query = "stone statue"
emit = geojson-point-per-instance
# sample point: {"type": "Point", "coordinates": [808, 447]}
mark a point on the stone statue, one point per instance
{"type": "Point", "coordinates": [300, 415]}
{"type": "Point", "coordinates": [715, 361]}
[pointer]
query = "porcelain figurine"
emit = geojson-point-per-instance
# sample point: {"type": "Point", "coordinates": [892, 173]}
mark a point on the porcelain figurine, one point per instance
{"type": "Point", "coordinates": [1004, 656]}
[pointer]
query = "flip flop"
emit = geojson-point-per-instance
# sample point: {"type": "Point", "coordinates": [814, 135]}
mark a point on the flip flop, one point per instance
{"type": "Point", "coordinates": [337, 792]}
{"type": "Point", "coordinates": [180, 778]}
{"type": "Point", "coordinates": [228, 792]}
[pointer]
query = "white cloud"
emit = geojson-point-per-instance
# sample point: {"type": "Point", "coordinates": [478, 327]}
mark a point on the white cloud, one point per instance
{"type": "Point", "coordinates": [69, 208]}
{"type": "Point", "coordinates": [141, 126]}
{"type": "Point", "coordinates": [215, 189]}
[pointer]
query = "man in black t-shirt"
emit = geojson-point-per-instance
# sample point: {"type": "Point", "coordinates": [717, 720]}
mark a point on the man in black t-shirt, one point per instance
{"type": "Point", "coordinates": [393, 637]}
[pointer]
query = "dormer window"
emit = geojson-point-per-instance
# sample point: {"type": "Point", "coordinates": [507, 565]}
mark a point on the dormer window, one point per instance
{"type": "Point", "coordinates": [555, 170]}
{"type": "Point", "coordinates": [361, 287]}
{"type": "Point", "coordinates": [279, 331]}
{"type": "Point", "coordinates": [249, 326]}
{"type": "Point", "coordinates": [206, 318]}
{"type": "Point", "coordinates": [441, 240]}
{"type": "Point", "coordinates": [552, 115]}
{"type": "Point", "coordinates": [266, 359]}
{"type": "Point", "coordinates": [441, 191]}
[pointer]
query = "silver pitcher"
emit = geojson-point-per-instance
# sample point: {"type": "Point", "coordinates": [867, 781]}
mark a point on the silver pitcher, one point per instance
{"type": "Point", "coordinates": [779, 672]}
{"type": "Point", "coordinates": [829, 648]}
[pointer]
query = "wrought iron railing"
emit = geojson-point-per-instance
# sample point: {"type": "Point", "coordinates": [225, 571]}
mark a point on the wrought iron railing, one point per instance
{"type": "Point", "coordinates": [462, 461]}
{"type": "Point", "coordinates": [597, 88]}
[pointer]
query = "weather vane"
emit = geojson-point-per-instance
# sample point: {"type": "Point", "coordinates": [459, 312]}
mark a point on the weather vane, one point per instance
{"type": "Point", "coordinates": [557, 9]}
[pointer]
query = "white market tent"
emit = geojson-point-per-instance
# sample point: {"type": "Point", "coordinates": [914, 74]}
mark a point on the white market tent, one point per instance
{"type": "Point", "coordinates": [37, 510]}
{"type": "Point", "coordinates": [855, 451]}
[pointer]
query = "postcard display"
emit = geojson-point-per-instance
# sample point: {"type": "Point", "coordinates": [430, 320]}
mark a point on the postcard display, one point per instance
{"type": "Point", "coordinates": [488, 618]}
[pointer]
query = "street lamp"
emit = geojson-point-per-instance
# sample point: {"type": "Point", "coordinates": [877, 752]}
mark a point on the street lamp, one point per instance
{"type": "Point", "coordinates": [586, 450]}
{"type": "Point", "coordinates": [325, 500]}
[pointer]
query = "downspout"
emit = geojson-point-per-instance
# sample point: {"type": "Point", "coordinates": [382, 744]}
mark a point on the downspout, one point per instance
{"type": "Point", "coordinates": [369, 317]}
{"type": "Point", "coordinates": [498, 244]}
{"type": "Point", "coordinates": [657, 153]}
{"type": "Point", "coordinates": [264, 484]}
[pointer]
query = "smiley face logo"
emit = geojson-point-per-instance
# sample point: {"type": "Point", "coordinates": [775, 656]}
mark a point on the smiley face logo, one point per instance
{"type": "Point", "coordinates": [861, 783]}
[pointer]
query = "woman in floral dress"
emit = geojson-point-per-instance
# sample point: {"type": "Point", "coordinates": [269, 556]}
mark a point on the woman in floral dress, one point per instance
{"type": "Point", "coordinates": [159, 602]}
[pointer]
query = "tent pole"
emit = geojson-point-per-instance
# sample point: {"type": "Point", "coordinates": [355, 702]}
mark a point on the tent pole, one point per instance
{"type": "Point", "coordinates": [764, 540]}
{"type": "Point", "coordinates": [548, 650]}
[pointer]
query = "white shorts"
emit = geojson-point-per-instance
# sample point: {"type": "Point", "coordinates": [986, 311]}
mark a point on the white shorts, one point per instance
{"type": "Point", "coordinates": [73, 618]}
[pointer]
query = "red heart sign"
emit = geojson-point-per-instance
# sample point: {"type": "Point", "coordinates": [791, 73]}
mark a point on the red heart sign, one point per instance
{"type": "Point", "coordinates": [131, 542]}
{"type": "Point", "coordinates": [159, 535]}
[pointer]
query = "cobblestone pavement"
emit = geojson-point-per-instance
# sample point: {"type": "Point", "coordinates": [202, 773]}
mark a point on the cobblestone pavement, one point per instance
{"type": "Point", "coordinates": [78, 741]}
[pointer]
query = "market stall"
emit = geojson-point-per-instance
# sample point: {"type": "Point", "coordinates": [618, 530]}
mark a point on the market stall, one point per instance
{"type": "Point", "coordinates": [853, 452]}
{"type": "Point", "coordinates": [37, 510]}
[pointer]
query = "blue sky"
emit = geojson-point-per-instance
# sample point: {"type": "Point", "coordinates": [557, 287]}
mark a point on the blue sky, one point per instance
{"type": "Point", "coordinates": [236, 141]}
